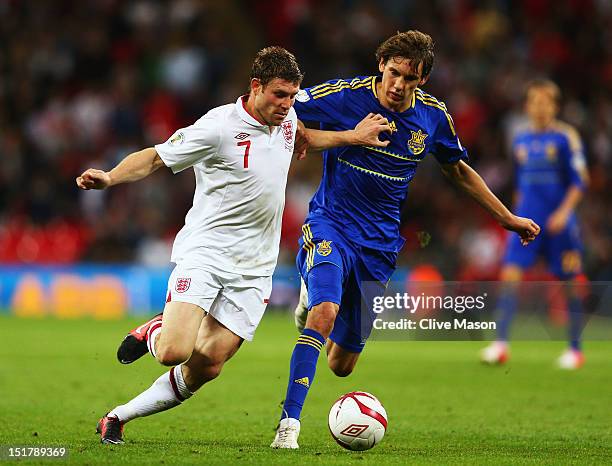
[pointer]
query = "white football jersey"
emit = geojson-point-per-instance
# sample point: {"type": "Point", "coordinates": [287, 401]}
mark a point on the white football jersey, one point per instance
{"type": "Point", "coordinates": [241, 171]}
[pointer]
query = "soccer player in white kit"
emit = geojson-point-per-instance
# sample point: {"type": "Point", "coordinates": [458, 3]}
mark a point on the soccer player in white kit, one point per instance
{"type": "Point", "coordinates": [226, 252]}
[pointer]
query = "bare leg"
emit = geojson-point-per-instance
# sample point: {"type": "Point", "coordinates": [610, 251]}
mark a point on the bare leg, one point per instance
{"type": "Point", "coordinates": [179, 332]}
{"type": "Point", "coordinates": [340, 361]}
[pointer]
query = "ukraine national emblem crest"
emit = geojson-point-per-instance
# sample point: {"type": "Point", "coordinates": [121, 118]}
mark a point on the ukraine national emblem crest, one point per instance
{"type": "Point", "coordinates": [324, 248]}
{"type": "Point", "coordinates": [416, 144]}
{"type": "Point", "coordinates": [287, 129]}
{"type": "Point", "coordinates": [182, 284]}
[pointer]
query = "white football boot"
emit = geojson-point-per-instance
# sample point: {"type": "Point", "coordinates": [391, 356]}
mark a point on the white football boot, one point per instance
{"type": "Point", "coordinates": [570, 360]}
{"type": "Point", "coordinates": [496, 353]}
{"type": "Point", "coordinates": [301, 311]}
{"type": "Point", "coordinates": [287, 434]}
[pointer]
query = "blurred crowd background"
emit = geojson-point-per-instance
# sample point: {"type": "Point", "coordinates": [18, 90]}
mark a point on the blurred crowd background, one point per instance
{"type": "Point", "coordinates": [83, 83]}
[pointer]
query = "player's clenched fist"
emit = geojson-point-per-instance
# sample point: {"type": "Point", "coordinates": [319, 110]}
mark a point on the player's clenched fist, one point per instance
{"type": "Point", "coordinates": [526, 228]}
{"type": "Point", "coordinates": [93, 179]}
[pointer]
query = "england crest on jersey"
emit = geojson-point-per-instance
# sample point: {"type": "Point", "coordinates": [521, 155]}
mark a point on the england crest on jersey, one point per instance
{"type": "Point", "coordinates": [287, 129]}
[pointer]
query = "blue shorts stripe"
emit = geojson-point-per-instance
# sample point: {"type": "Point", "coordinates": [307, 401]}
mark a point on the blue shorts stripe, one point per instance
{"type": "Point", "coordinates": [308, 245]}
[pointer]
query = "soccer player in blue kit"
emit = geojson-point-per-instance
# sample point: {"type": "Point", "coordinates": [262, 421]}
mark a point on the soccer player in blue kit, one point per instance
{"type": "Point", "coordinates": [351, 236]}
{"type": "Point", "coordinates": [551, 175]}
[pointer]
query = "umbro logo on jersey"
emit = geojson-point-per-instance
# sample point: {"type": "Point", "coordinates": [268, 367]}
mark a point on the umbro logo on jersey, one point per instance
{"type": "Point", "coordinates": [241, 136]}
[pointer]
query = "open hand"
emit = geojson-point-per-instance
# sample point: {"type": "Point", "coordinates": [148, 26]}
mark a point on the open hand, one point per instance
{"type": "Point", "coordinates": [368, 130]}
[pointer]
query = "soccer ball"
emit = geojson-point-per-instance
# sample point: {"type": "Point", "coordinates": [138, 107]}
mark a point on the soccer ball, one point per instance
{"type": "Point", "coordinates": [357, 421]}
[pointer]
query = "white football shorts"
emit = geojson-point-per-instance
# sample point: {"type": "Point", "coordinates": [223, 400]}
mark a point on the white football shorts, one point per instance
{"type": "Point", "coordinates": [235, 300]}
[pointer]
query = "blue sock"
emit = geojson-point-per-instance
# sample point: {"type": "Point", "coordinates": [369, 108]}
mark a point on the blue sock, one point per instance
{"type": "Point", "coordinates": [575, 321]}
{"type": "Point", "coordinates": [302, 371]}
{"type": "Point", "coordinates": [507, 307]}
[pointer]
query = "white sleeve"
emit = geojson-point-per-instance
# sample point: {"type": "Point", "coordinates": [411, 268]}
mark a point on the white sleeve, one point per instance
{"type": "Point", "coordinates": [191, 145]}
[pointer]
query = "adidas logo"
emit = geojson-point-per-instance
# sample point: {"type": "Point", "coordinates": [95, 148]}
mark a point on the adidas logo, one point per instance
{"type": "Point", "coordinates": [303, 381]}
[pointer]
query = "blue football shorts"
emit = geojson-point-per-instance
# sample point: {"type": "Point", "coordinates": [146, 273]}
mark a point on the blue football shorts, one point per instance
{"type": "Point", "coordinates": [364, 274]}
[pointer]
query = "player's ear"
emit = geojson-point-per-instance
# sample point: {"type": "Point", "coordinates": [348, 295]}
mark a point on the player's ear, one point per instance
{"type": "Point", "coordinates": [381, 65]}
{"type": "Point", "coordinates": [423, 80]}
{"type": "Point", "coordinates": [256, 86]}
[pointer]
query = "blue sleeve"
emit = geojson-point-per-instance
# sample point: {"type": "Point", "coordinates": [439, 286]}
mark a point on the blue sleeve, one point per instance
{"type": "Point", "coordinates": [573, 160]}
{"type": "Point", "coordinates": [447, 148]}
{"type": "Point", "coordinates": [323, 103]}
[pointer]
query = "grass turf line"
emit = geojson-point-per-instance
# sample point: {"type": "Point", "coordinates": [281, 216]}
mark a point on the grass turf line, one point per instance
{"type": "Point", "coordinates": [58, 377]}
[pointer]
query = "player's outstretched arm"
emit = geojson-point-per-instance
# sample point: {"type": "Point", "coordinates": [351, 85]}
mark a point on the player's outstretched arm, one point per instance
{"type": "Point", "coordinates": [366, 133]}
{"type": "Point", "coordinates": [465, 178]}
{"type": "Point", "coordinates": [134, 167]}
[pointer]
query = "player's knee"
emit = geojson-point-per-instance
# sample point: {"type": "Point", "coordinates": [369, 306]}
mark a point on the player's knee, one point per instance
{"type": "Point", "coordinates": [341, 368]}
{"type": "Point", "coordinates": [324, 290]}
{"type": "Point", "coordinates": [321, 318]}
{"type": "Point", "coordinates": [171, 356]}
{"type": "Point", "coordinates": [342, 371]}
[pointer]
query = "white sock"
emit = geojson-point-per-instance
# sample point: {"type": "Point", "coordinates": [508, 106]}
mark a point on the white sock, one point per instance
{"type": "Point", "coordinates": [167, 391]}
{"type": "Point", "coordinates": [154, 331]}
{"type": "Point", "coordinates": [180, 382]}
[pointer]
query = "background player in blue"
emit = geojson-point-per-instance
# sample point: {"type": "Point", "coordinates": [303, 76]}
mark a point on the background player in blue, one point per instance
{"type": "Point", "coordinates": [551, 176]}
{"type": "Point", "coordinates": [351, 235]}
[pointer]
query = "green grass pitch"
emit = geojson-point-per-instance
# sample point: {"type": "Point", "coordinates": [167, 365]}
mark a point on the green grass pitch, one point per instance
{"type": "Point", "coordinates": [58, 377]}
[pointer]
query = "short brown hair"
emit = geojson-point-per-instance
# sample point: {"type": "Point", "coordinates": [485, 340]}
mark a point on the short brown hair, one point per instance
{"type": "Point", "coordinates": [276, 62]}
{"type": "Point", "coordinates": [543, 83]}
{"type": "Point", "coordinates": [415, 46]}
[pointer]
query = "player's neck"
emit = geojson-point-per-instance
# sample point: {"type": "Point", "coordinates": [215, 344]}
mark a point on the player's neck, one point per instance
{"type": "Point", "coordinates": [542, 126]}
{"type": "Point", "coordinates": [249, 106]}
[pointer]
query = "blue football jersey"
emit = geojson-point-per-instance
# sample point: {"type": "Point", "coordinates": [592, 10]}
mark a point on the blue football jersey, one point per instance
{"type": "Point", "coordinates": [547, 164]}
{"type": "Point", "coordinates": [364, 188]}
